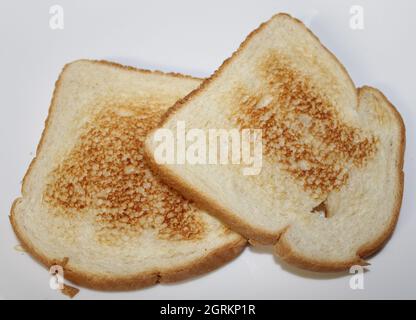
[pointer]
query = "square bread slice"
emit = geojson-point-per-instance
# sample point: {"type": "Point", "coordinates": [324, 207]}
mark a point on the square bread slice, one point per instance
{"type": "Point", "coordinates": [330, 185]}
{"type": "Point", "coordinates": [91, 204]}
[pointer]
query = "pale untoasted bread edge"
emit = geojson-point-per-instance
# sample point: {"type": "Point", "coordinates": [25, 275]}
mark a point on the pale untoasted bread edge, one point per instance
{"type": "Point", "coordinates": [211, 261]}
{"type": "Point", "coordinates": [208, 263]}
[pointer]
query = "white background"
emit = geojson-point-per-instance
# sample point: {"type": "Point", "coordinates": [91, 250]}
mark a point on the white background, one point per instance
{"type": "Point", "coordinates": [194, 37]}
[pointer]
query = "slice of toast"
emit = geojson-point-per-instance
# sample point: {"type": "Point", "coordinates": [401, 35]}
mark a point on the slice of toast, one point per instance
{"type": "Point", "coordinates": [330, 185]}
{"type": "Point", "coordinates": [89, 201]}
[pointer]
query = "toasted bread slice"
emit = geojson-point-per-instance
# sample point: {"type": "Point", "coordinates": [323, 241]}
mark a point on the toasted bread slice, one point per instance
{"type": "Point", "coordinates": [90, 202]}
{"type": "Point", "coordinates": [330, 185]}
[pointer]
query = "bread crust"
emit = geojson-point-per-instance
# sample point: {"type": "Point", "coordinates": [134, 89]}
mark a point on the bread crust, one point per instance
{"type": "Point", "coordinates": [209, 262]}
{"type": "Point", "coordinates": [377, 244]}
{"type": "Point", "coordinates": [282, 248]}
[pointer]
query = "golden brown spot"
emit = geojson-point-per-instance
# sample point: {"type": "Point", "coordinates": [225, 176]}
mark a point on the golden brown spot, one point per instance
{"type": "Point", "coordinates": [302, 130]}
{"type": "Point", "coordinates": [105, 172]}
